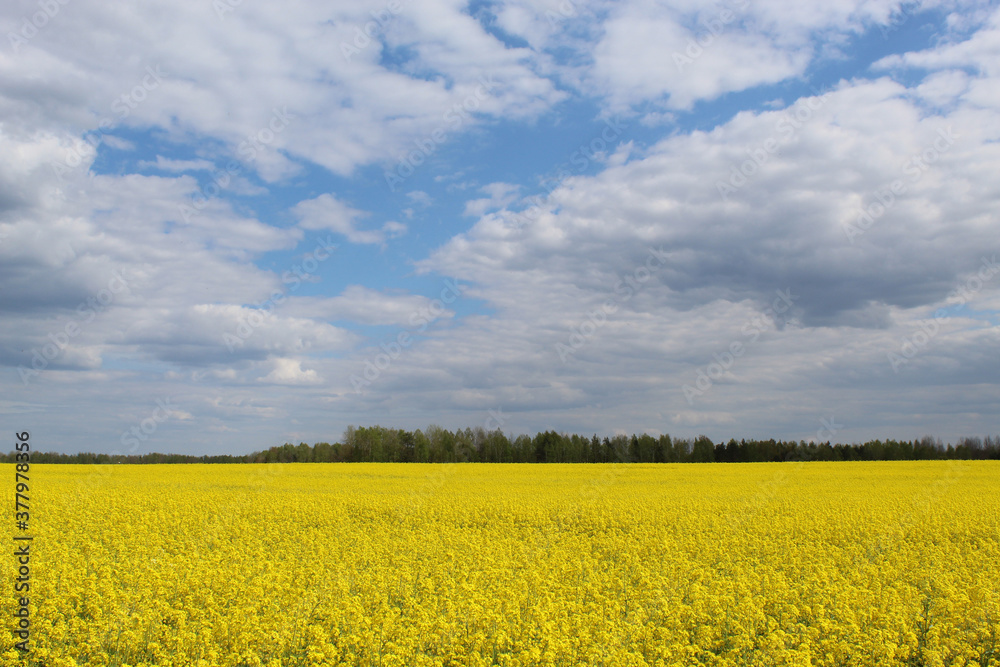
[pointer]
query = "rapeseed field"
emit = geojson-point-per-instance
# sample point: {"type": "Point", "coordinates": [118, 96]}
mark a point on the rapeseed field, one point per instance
{"type": "Point", "coordinates": [889, 563]}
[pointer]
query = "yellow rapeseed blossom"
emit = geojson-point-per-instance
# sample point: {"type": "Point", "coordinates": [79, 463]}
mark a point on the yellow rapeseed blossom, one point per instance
{"type": "Point", "coordinates": [815, 564]}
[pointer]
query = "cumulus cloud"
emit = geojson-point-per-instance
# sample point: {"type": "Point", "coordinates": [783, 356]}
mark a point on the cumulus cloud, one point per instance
{"type": "Point", "coordinates": [326, 212]}
{"type": "Point", "coordinates": [290, 372]}
{"type": "Point", "coordinates": [500, 195]}
{"type": "Point", "coordinates": [363, 305]}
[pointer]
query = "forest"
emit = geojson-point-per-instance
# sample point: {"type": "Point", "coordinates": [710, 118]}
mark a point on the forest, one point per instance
{"type": "Point", "coordinates": [439, 445]}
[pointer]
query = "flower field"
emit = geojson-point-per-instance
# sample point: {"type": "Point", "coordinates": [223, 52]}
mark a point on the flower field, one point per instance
{"type": "Point", "coordinates": [891, 563]}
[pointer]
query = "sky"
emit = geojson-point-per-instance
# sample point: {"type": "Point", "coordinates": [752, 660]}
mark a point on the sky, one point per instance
{"type": "Point", "coordinates": [229, 224]}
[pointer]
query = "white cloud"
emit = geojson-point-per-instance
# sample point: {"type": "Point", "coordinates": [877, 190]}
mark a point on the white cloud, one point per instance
{"type": "Point", "coordinates": [290, 372]}
{"type": "Point", "coordinates": [500, 195]}
{"type": "Point", "coordinates": [782, 229]}
{"type": "Point", "coordinates": [93, 66]}
{"type": "Point", "coordinates": [118, 143]}
{"type": "Point", "coordinates": [326, 212]}
{"type": "Point", "coordinates": [166, 164]}
{"type": "Point", "coordinates": [419, 197]}
{"type": "Point", "coordinates": [362, 305]}
{"type": "Point", "coordinates": [642, 58]}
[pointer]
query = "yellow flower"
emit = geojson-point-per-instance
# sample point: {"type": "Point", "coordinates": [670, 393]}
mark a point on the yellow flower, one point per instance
{"type": "Point", "coordinates": [274, 565]}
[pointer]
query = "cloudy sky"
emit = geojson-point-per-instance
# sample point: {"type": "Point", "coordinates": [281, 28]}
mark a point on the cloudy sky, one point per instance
{"type": "Point", "coordinates": [228, 224]}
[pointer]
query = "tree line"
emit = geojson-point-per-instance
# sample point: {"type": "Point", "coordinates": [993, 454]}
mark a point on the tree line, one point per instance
{"type": "Point", "coordinates": [439, 445]}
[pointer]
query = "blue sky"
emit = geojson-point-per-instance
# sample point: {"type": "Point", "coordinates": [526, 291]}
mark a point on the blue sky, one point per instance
{"type": "Point", "coordinates": [581, 215]}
